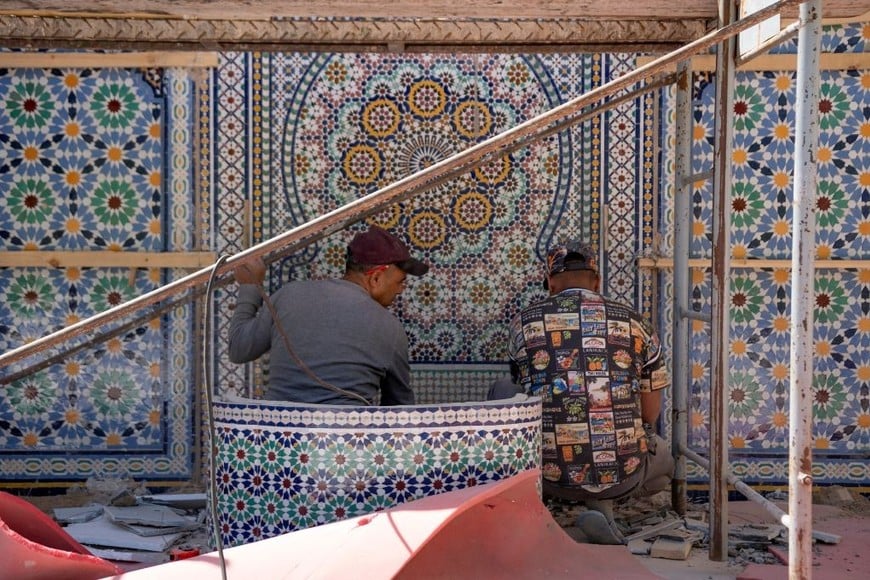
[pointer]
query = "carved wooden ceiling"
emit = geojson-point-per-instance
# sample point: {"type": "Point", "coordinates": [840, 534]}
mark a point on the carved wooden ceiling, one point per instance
{"type": "Point", "coordinates": [369, 25]}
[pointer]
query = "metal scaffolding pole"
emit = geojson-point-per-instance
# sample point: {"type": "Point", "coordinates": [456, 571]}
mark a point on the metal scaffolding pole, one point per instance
{"type": "Point", "coordinates": [720, 303]}
{"type": "Point", "coordinates": [800, 464]}
{"type": "Point", "coordinates": [680, 332]}
{"type": "Point", "coordinates": [752, 495]}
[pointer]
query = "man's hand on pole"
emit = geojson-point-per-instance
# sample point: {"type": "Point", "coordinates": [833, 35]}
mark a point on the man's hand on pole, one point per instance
{"type": "Point", "coordinates": [252, 271]}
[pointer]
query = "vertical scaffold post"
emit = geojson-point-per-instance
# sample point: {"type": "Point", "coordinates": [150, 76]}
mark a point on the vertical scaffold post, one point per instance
{"type": "Point", "coordinates": [720, 303]}
{"type": "Point", "coordinates": [680, 329]}
{"type": "Point", "coordinates": [800, 462]}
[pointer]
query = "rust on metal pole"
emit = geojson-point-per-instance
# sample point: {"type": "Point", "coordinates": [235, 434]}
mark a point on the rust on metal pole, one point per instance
{"type": "Point", "coordinates": [800, 459]}
{"type": "Point", "coordinates": [720, 302]}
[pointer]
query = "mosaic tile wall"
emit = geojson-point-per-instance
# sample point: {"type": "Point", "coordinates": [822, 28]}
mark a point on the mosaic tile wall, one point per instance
{"type": "Point", "coordinates": [95, 159]}
{"type": "Point", "coordinates": [83, 167]}
{"type": "Point", "coordinates": [330, 128]}
{"type": "Point", "coordinates": [761, 213]}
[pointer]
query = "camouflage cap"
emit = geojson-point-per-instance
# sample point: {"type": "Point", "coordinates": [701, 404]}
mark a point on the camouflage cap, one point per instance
{"type": "Point", "coordinates": [572, 255]}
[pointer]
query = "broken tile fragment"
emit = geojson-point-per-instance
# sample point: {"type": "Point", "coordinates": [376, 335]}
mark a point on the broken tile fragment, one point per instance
{"type": "Point", "coordinates": [671, 549]}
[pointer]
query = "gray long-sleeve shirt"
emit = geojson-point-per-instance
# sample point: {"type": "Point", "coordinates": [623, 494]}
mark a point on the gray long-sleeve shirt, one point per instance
{"type": "Point", "coordinates": [344, 337]}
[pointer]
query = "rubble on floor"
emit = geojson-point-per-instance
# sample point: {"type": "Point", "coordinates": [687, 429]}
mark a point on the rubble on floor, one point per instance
{"type": "Point", "coordinates": [651, 528]}
{"type": "Point", "coordinates": [753, 543]}
{"type": "Point", "coordinates": [124, 522]}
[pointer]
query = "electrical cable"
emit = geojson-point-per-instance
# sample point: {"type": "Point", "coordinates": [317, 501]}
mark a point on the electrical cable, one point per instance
{"type": "Point", "coordinates": [297, 360]}
{"type": "Point", "coordinates": [210, 418]}
{"type": "Point", "coordinates": [209, 396]}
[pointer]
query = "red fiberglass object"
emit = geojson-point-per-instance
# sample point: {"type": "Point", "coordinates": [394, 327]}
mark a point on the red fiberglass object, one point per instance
{"type": "Point", "coordinates": [34, 547]}
{"type": "Point", "coordinates": [497, 530]}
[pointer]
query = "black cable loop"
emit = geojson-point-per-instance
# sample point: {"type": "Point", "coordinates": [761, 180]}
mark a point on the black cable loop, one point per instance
{"type": "Point", "coordinates": [277, 322]}
{"type": "Point", "coordinates": [210, 418]}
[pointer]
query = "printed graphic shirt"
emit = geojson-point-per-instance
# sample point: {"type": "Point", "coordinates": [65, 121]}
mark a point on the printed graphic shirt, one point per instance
{"type": "Point", "coordinates": [588, 358]}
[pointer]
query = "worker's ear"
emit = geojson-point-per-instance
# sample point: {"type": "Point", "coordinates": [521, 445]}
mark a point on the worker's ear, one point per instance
{"type": "Point", "coordinates": [375, 277]}
{"type": "Point", "coordinates": [372, 280]}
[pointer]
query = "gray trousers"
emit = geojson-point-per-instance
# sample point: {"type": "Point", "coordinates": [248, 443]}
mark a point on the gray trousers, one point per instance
{"type": "Point", "coordinates": [653, 477]}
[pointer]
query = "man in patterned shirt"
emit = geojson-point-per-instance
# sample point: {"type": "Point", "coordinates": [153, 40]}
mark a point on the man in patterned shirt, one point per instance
{"type": "Point", "coordinates": [598, 367]}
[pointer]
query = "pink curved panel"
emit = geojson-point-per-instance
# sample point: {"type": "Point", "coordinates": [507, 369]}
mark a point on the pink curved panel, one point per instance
{"type": "Point", "coordinates": [35, 547]}
{"type": "Point", "coordinates": [497, 530]}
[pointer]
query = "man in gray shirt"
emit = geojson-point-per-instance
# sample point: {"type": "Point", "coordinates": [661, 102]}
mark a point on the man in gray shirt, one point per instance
{"type": "Point", "coordinates": [334, 341]}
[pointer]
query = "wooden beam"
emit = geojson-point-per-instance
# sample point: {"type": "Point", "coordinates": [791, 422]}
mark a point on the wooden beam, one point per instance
{"type": "Point", "coordinates": [266, 10]}
{"type": "Point", "coordinates": [778, 62]}
{"type": "Point", "coordinates": [371, 25]}
{"type": "Point", "coordinates": [106, 259]}
{"type": "Point", "coordinates": [150, 59]}
{"type": "Point", "coordinates": [666, 263]}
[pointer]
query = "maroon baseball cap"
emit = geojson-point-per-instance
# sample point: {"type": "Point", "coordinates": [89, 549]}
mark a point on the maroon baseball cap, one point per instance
{"type": "Point", "coordinates": [378, 246]}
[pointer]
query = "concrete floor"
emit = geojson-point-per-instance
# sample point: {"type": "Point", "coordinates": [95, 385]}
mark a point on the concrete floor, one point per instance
{"type": "Point", "coordinates": [846, 560]}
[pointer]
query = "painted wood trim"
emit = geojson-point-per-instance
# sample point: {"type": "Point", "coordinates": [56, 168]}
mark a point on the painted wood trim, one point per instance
{"type": "Point", "coordinates": [146, 59]}
{"type": "Point", "coordinates": [106, 259]}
